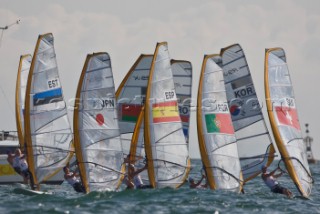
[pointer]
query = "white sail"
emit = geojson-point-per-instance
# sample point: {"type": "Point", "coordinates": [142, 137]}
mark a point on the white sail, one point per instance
{"type": "Point", "coordinates": [284, 119]}
{"type": "Point", "coordinates": [253, 138]}
{"type": "Point", "coordinates": [217, 141]}
{"type": "Point", "coordinates": [96, 130]}
{"type": "Point", "coordinates": [182, 77]}
{"type": "Point", "coordinates": [47, 129]}
{"type": "Point", "coordinates": [165, 144]}
{"type": "Point", "coordinates": [130, 98]}
{"type": "Point", "coordinates": [22, 77]}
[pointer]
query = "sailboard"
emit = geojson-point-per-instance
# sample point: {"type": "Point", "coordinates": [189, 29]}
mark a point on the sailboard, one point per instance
{"type": "Point", "coordinates": [22, 77]}
{"type": "Point", "coordinates": [48, 134]}
{"type": "Point", "coordinates": [217, 141]}
{"type": "Point", "coordinates": [253, 138]}
{"type": "Point", "coordinates": [284, 119]}
{"type": "Point", "coordinates": [96, 129]}
{"type": "Point", "coordinates": [165, 144]}
{"type": "Point", "coordinates": [30, 192]}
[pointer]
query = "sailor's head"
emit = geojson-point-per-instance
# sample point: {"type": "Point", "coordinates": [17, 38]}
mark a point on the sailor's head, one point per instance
{"type": "Point", "coordinates": [66, 169]}
{"type": "Point", "coordinates": [264, 168]}
{"type": "Point", "coordinates": [190, 180]}
{"type": "Point", "coordinates": [17, 152]}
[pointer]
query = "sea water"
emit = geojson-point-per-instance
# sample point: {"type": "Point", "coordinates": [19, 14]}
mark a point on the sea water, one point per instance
{"type": "Point", "coordinates": [257, 199]}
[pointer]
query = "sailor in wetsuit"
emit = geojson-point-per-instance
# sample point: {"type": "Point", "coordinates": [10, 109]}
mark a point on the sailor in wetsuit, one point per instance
{"type": "Point", "coordinates": [14, 161]}
{"type": "Point", "coordinates": [270, 180]}
{"type": "Point", "coordinates": [71, 178]}
{"type": "Point", "coordinates": [194, 185]}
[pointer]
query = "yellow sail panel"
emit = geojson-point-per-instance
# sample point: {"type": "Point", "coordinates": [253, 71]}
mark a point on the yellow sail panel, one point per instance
{"type": "Point", "coordinates": [284, 119]}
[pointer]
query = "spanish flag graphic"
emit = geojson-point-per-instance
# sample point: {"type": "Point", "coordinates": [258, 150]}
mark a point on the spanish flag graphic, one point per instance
{"type": "Point", "coordinates": [165, 112]}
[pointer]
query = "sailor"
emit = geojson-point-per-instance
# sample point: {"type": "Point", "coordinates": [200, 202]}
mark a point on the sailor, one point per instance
{"type": "Point", "coordinates": [194, 185]}
{"type": "Point", "coordinates": [20, 163]}
{"type": "Point", "coordinates": [271, 181]}
{"type": "Point", "coordinates": [14, 161]}
{"type": "Point", "coordinates": [71, 178]}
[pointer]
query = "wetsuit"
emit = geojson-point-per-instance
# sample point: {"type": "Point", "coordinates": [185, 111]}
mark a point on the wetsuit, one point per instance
{"type": "Point", "coordinates": [16, 165]}
{"type": "Point", "coordinates": [273, 184]}
{"type": "Point", "coordinates": [75, 183]}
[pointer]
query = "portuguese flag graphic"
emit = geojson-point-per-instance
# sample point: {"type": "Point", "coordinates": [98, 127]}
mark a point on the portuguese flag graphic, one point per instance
{"type": "Point", "coordinates": [130, 112]}
{"type": "Point", "coordinates": [219, 123]}
{"type": "Point", "coordinates": [165, 112]}
{"type": "Point", "coordinates": [288, 116]}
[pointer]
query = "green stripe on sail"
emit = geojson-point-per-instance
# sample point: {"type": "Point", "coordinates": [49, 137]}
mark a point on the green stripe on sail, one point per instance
{"type": "Point", "coordinates": [211, 123]}
{"type": "Point", "coordinates": [129, 118]}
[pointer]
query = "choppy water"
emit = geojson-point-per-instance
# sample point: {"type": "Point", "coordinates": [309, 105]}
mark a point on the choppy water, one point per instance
{"type": "Point", "coordinates": [257, 199]}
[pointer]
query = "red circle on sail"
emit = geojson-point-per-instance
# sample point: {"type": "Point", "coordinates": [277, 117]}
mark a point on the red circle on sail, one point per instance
{"type": "Point", "coordinates": [100, 119]}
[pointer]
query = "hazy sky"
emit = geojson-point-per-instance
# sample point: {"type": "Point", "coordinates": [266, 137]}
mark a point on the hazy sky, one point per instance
{"type": "Point", "coordinates": [125, 29]}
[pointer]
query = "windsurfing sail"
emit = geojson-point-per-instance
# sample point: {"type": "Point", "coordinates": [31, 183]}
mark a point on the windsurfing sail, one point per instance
{"type": "Point", "coordinates": [253, 138]}
{"type": "Point", "coordinates": [47, 129]}
{"type": "Point", "coordinates": [182, 77]}
{"type": "Point", "coordinates": [217, 141]}
{"type": "Point", "coordinates": [22, 77]}
{"type": "Point", "coordinates": [284, 120]}
{"type": "Point", "coordinates": [165, 144]}
{"type": "Point", "coordinates": [96, 129]}
{"type": "Point", "coordinates": [131, 97]}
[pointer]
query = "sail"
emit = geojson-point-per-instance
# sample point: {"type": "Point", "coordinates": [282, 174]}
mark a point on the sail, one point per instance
{"type": "Point", "coordinates": [47, 129]}
{"type": "Point", "coordinates": [253, 138]}
{"type": "Point", "coordinates": [165, 144]}
{"type": "Point", "coordinates": [217, 141]}
{"type": "Point", "coordinates": [96, 129]}
{"type": "Point", "coordinates": [284, 120]}
{"type": "Point", "coordinates": [22, 77]}
{"type": "Point", "coordinates": [182, 77]}
{"type": "Point", "coordinates": [130, 98]}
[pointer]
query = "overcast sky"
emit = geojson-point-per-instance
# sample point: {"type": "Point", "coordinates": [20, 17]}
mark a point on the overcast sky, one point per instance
{"type": "Point", "coordinates": [125, 29]}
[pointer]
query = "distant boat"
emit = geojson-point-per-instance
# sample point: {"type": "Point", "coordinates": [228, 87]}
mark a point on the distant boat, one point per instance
{"type": "Point", "coordinates": [48, 134]}
{"type": "Point", "coordinates": [284, 120]}
{"type": "Point", "coordinates": [96, 129]}
{"type": "Point", "coordinates": [217, 141]}
{"type": "Point", "coordinates": [165, 144]}
{"type": "Point", "coordinates": [253, 138]}
{"type": "Point", "coordinates": [22, 77]}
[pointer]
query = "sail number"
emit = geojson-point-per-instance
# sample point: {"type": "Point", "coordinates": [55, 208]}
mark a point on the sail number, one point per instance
{"type": "Point", "coordinates": [53, 83]}
{"type": "Point", "coordinates": [169, 95]}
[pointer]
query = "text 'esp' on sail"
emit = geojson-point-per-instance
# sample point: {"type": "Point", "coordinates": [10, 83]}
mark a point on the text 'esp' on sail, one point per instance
{"type": "Point", "coordinates": [96, 130]}
{"type": "Point", "coordinates": [217, 141]}
{"type": "Point", "coordinates": [165, 144]}
{"type": "Point", "coordinates": [21, 84]}
{"type": "Point", "coordinates": [284, 120]}
{"type": "Point", "coordinates": [47, 129]}
{"type": "Point", "coordinates": [253, 138]}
